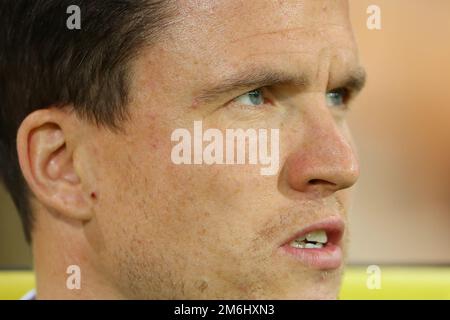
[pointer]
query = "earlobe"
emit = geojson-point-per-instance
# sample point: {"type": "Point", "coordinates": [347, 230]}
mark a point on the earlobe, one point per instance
{"type": "Point", "coordinates": [46, 159]}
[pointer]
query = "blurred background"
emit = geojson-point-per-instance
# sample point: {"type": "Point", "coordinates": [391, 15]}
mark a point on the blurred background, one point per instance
{"type": "Point", "coordinates": [401, 125]}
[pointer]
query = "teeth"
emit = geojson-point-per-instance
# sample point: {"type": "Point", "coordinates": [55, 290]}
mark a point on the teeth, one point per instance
{"type": "Point", "coordinates": [313, 245]}
{"type": "Point", "coordinates": [317, 236]}
{"type": "Point", "coordinates": [298, 244]}
{"type": "Point", "coordinates": [313, 240]}
{"type": "Point", "coordinates": [305, 245]}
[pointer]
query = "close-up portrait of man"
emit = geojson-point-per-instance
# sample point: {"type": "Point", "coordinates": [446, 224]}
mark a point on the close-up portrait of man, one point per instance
{"type": "Point", "coordinates": [115, 145]}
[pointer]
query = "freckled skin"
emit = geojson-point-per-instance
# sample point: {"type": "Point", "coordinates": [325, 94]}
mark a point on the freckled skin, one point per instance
{"type": "Point", "coordinates": [191, 232]}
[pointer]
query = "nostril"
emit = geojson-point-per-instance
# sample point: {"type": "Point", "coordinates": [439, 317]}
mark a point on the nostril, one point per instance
{"type": "Point", "coordinates": [322, 184]}
{"type": "Point", "coordinates": [319, 181]}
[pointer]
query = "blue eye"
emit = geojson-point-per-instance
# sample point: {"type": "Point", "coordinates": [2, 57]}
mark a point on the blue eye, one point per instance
{"type": "Point", "coordinates": [337, 97]}
{"type": "Point", "coordinates": [252, 98]}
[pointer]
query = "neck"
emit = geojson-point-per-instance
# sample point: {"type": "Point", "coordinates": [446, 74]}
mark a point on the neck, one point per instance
{"type": "Point", "coordinates": [64, 270]}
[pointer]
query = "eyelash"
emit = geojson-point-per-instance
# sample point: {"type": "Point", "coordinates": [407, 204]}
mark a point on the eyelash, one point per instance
{"type": "Point", "coordinates": [263, 96]}
{"type": "Point", "coordinates": [346, 95]}
{"type": "Point", "coordinates": [345, 92]}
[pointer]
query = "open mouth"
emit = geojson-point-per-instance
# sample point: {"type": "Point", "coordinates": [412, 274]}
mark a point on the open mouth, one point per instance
{"type": "Point", "coordinates": [313, 240]}
{"type": "Point", "coordinates": [318, 246]}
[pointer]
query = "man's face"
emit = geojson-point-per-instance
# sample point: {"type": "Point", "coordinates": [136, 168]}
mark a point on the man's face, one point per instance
{"type": "Point", "coordinates": [163, 230]}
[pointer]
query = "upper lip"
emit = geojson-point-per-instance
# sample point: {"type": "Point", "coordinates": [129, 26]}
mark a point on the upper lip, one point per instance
{"type": "Point", "coordinates": [334, 228]}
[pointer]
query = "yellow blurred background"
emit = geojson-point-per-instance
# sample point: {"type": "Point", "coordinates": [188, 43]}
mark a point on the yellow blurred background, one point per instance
{"type": "Point", "coordinates": [401, 125]}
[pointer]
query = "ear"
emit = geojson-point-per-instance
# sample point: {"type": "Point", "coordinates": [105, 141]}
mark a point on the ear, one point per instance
{"type": "Point", "coordinates": [46, 157]}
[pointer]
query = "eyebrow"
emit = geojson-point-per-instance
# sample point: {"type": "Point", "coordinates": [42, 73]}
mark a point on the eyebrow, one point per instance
{"type": "Point", "coordinates": [261, 77]}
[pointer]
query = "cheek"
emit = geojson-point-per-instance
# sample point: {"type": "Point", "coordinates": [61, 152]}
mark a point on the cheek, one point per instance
{"type": "Point", "coordinates": [198, 204]}
{"type": "Point", "coordinates": [138, 188]}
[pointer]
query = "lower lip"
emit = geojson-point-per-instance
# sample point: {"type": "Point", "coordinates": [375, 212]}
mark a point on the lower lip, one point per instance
{"type": "Point", "coordinates": [328, 257]}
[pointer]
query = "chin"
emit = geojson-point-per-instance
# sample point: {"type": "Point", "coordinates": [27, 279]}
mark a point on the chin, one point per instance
{"type": "Point", "coordinates": [326, 286]}
{"type": "Point", "coordinates": [316, 294]}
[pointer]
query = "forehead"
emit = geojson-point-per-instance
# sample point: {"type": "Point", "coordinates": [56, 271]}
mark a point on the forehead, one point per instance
{"type": "Point", "coordinates": [237, 22]}
{"type": "Point", "coordinates": [230, 33]}
{"type": "Point", "coordinates": [272, 12]}
{"type": "Point", "coordinates": [213, 39]}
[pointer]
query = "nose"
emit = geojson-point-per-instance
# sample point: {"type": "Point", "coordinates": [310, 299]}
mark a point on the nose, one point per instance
{"type": "Point", "coordinates": [325, 161]}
